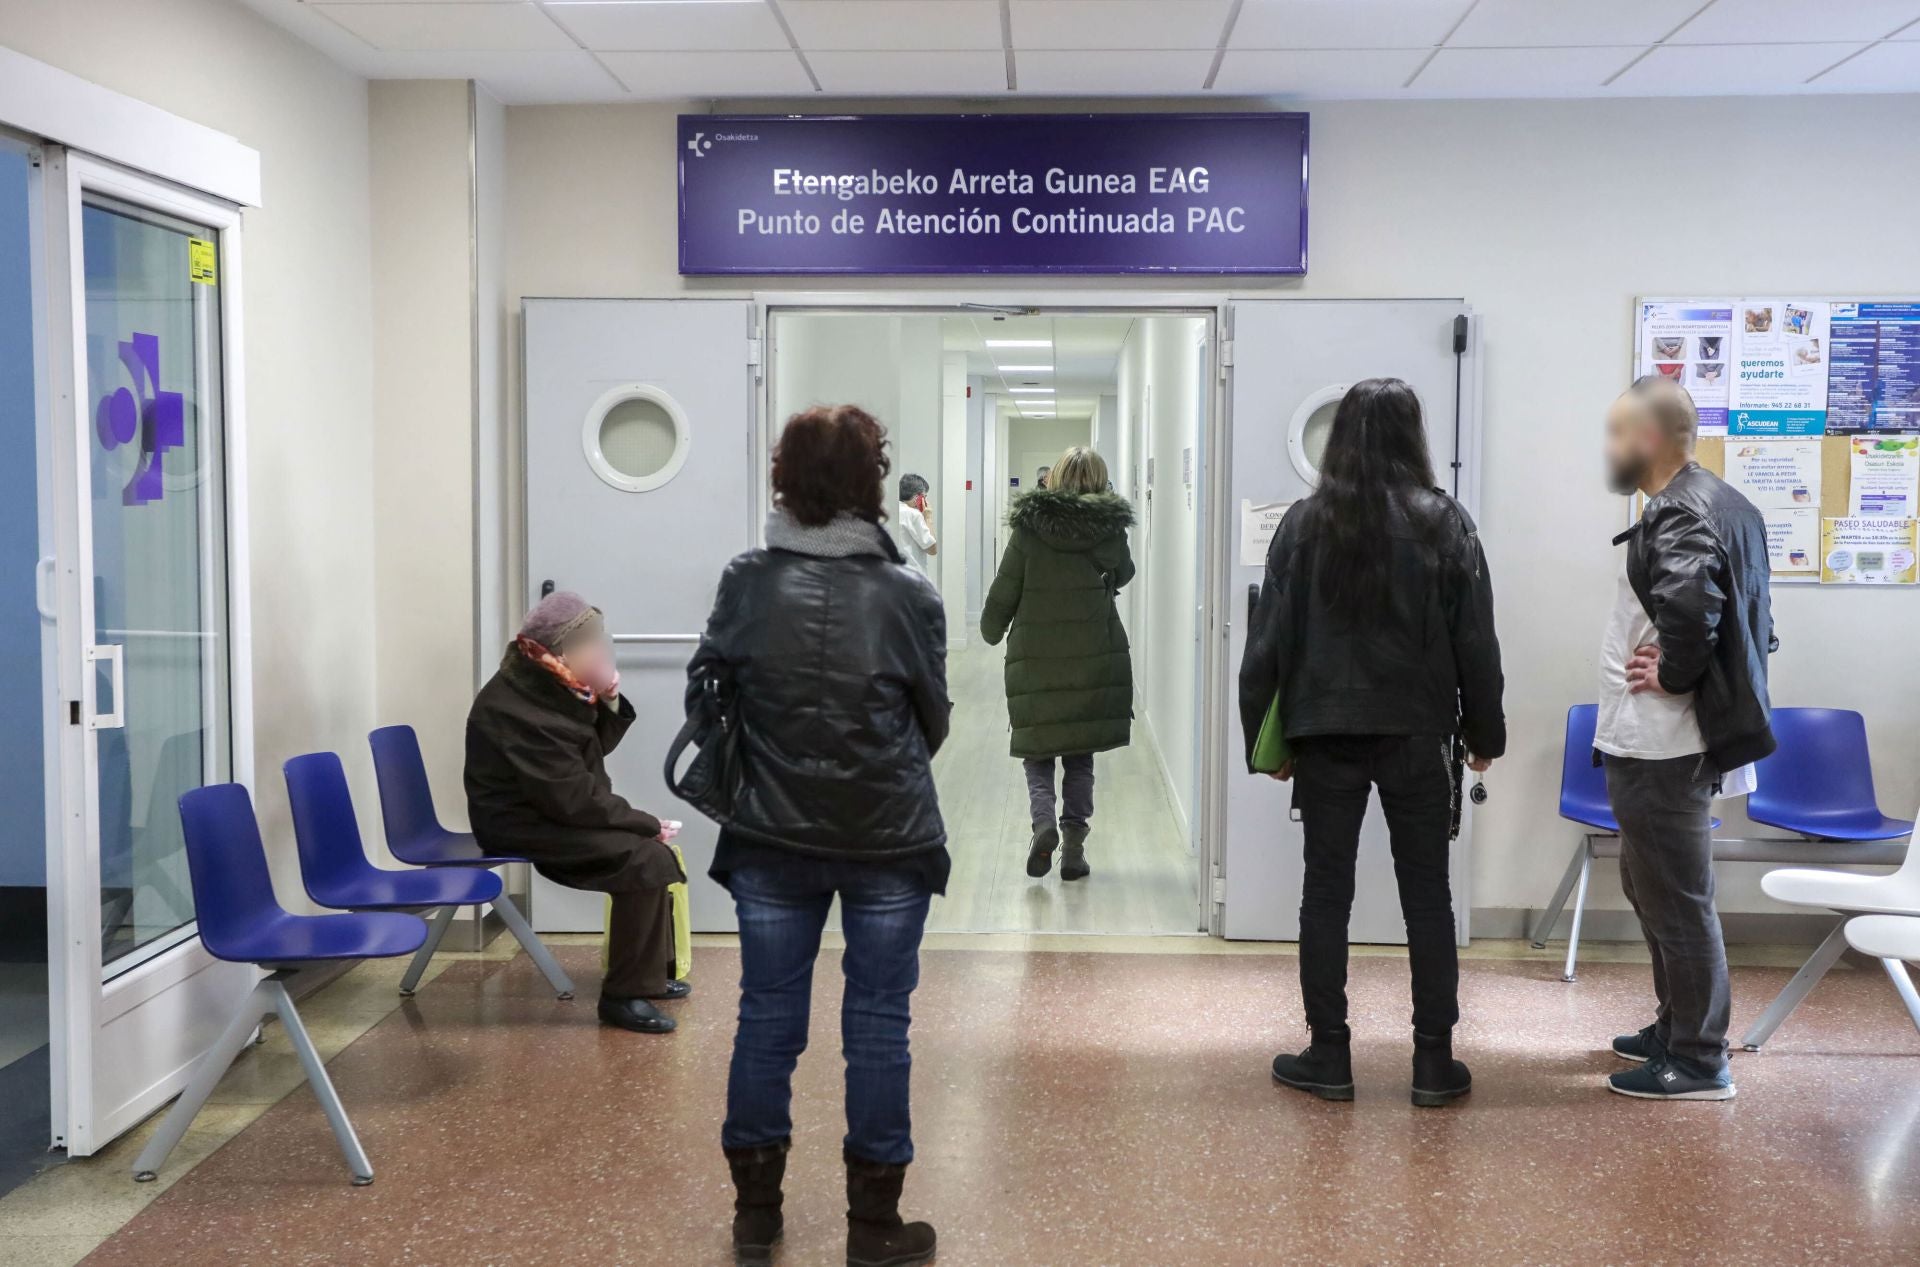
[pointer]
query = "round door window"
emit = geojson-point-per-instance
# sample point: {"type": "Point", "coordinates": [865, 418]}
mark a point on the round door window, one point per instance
{"type": "Point", "coordinates": [635, 437]}
{"type": "Point", "coordinates": [1308, 431]}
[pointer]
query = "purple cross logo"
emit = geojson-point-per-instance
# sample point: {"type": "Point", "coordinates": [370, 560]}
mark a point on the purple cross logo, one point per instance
{"type": "Point", "coordinates": [158, 418]}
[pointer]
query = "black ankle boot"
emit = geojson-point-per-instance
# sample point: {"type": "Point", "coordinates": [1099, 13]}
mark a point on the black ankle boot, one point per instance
{"type": "Point", "coordinates": [757, 1173]}
{"type": "Point", "coordinates": [876, 1237]}
{"type": "Point", "coordinates": [1324, 1069]}
{"type": "Point", "coordinates": [1073, 853]}
{"type": "Point", "coordinates": [1040, 849]}
{"type": "Point", "coordinates": [1438, 1079]}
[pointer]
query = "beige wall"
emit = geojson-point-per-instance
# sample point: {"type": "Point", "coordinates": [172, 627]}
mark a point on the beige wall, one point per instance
{"type": "Point", "coordinates": [1549, 217]}
{"type": "Point", "coordinates": [307, 310]}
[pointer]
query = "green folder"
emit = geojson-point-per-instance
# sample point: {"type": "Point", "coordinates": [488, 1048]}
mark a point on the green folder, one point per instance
{"type": "Point", "coordinates": [1270, 750]}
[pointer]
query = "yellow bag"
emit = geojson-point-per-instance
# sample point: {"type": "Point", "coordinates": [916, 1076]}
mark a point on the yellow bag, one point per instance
{"type": "Point", "coordinates": [682, 930]}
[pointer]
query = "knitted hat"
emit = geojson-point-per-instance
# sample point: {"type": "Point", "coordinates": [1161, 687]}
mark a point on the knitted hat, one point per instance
{"type": "Point", "coordinates": [557, 617]}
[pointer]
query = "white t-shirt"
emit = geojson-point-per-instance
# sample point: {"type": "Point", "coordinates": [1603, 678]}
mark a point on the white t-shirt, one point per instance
{"type": "Point", "coordinates": [1648, 726]}
{"type": "Point", "coordinates": [911, 534]}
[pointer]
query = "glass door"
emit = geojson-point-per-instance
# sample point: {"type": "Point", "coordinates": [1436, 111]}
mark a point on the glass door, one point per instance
{"type": "Point", "coordinates": [153, 271]}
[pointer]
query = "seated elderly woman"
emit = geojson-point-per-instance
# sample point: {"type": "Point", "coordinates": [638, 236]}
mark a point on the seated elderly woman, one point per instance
{"type": "Point", "coordinates": [537, 788]}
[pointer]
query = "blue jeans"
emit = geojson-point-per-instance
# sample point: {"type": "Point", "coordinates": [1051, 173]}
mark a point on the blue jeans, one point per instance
{"type": "Point", "coordinates": [782, 910]}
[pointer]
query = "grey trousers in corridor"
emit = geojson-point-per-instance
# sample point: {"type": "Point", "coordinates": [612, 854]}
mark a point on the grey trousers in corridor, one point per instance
{"type": "Point", "coordinates": [1666, 868]}
{"type": "Point", "coordinates": [1076, 789]}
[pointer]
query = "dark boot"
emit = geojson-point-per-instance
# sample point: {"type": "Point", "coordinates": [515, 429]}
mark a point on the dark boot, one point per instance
{"type": "Point", "coordinates": [1324, 1069]}
{"type": "Point", "coordinates": [1438, 1079]}
{"type": "Point", "coordinates": [1073, 853]}
{"type": "Point", "coordinates": [757, 1173]}
{"type": "Point", "coordinates": [875, 1235]}
{"type": "Point", "coordinates": [1040, 852]}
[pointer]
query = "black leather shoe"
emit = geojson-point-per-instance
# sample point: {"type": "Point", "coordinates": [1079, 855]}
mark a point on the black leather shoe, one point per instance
{"type": "Point", "coordinates": [637, 1015]}
{"type": "Point", "coordinates": [674, 990]}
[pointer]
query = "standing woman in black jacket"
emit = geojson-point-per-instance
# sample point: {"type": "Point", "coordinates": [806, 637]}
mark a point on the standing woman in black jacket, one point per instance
{"type": "Point", "coordinates": [1375, 629]}
{"type": "Point", "coordinates": [837, 651]}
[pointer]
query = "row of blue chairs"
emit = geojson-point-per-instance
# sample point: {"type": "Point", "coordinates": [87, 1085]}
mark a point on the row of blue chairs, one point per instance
{"type": "Point", "coordinates": [1818, 785]}
{"type": "Point", "coordinates": [242, 922]}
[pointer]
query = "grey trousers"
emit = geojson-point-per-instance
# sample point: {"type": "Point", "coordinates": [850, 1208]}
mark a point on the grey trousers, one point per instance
{"type": "Point", "coordinates": [1666, 868]}
{"type": "Point", "coordinates": [1076, 788]}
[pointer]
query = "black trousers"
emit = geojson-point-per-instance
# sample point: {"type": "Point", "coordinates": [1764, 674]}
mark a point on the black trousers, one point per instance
{"type": "Point", "coordinates": [1334, 776]}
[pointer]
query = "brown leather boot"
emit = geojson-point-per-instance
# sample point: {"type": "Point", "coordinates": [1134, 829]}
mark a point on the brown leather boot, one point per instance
{"type": "Point", "coordinates": [757, 1173]}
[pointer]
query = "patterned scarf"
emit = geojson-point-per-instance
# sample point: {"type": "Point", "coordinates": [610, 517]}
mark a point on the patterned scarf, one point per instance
{"type": "Point", "coordinates": [841, 537]}
{"type": "Point", "coordinates": [558, 668]}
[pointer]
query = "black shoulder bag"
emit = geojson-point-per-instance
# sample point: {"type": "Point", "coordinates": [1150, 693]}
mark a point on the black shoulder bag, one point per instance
{"type": "Point", "coordinates": [713, 778]}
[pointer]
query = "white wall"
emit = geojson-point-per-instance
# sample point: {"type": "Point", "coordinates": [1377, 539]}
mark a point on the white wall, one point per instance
{"type": "Point", "coordinates": [308, 311]}
{"type": "Point", "coordinates": [1549, 217]}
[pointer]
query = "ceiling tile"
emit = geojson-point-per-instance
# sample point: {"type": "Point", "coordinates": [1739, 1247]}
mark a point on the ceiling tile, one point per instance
{"type": "Point", "coordinates": [1882, 68]}
{"type": "Point", "coordinates": [1539, 23]}
{"type": "Point", "coordinates": [938, 25]}
{"type": "Point", "coordinates": [1345, 23]}
{"type": "Point", "coordinates": [911, 72]}
{"type": "Point", "coordinates": [513, 78]}
{"type": "Point", "coordinates": [1324, 73]}
{"type": "Point", "coordinates": [1121, 74]}
{"type": "Point", "coordinates": [1796, 21]}
{"type": "Point", "coordinates": [1711, 70]}
{"type": "Point", "coordinates": [1521, 72]}
{"type": "Point", "coordinates": [709, 25]}
{"type": "Point", "coordinates": [1117, 24]}
{"type": "Point", "coordinates": [746, 74]}
{"type": "Point", "coordinates": [443, 27]}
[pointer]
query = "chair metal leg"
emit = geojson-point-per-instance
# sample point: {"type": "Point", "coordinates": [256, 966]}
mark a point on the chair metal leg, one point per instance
{"type": "Point", "coordinates": [1897, 971]}
{"type": "Point", "coordinates": [1803, 982]}
{"type": "Point", "coordinates": [1579, 906]}
{"type": "Point", "coordinates": [213, 1066]}
{"type": "Point", "coordinates": [1543, 927]}
{"type": "Point", "coordinates": [536, 949]}
{"type": "Point", "coordinates": [357, 1164]}
{"type": "Point", "coordinates": [423, 956]}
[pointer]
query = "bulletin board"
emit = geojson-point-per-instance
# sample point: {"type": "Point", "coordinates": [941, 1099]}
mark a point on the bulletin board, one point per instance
{"type": "Point", "coordinates": [1811, 408]}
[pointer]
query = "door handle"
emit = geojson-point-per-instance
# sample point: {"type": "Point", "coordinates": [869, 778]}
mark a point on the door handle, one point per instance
{"type": "Point", "coordinates": [547, 587]}
{"type": "Point", "coordinates": [113, 654]}
{"type": "Point", "coordinates": [43, 588]}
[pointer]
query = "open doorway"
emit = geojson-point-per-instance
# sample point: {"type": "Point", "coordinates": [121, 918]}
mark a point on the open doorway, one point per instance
{"type": "Point", "coordinates": [976, 404]}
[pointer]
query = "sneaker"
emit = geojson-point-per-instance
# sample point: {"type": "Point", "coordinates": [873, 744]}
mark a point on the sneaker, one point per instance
{"type": "Point", "coordinates": [1645, 1045]}
{"type": "Point", "coordinates": [1662, 1078]}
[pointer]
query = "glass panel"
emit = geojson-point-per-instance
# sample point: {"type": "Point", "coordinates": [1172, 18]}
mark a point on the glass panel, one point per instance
{"type": "Point", "coordinates": [159, 556]}
{"type": "Point", "coordinates": [638, 438]}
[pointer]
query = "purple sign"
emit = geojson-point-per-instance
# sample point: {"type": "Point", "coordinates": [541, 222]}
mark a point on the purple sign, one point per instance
{"type": "Point", "coordinates": [995, 193]}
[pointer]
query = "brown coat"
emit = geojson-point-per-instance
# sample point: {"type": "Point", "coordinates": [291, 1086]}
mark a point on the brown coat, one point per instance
{"type": "Point", "coordinates": [537, 785]}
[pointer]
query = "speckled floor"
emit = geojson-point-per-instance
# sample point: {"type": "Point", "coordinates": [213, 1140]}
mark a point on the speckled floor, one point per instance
{"type": "Point", "coordinates": [1077, 1108]}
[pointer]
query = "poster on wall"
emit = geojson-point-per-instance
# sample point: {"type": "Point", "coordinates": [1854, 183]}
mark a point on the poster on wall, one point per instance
{"type": "Point", "coordinates": [1793, 539]}
{"type": "Point", "coordinates": [1779, 375]}
{"type": "Point", "coordinates": [1873, 383]}
{"type": "Point", "coordinates": [1885, 477]}
{"type": "Point", "coordinates": [1857, 551]}
{"type": "Point", "coordinates": [1689, 342]}
{"type": "Point", "coordinates": [1782, 479]}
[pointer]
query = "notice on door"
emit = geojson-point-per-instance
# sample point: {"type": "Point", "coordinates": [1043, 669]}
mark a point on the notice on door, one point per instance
{"type": "Point", "coordinates": [1259, 521]}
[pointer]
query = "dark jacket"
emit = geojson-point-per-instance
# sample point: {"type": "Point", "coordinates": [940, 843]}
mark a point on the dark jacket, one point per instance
{"type": "Point", "coordinates": [840, 665]}
{"type": "Point", "coordinates": [1069, 673]}
{"type": "Point", "coordinates": [1697, 560]}
{"type": "Point", "coordinates": [1430, 665]}
{"type": "Point", "coordinates": [537, 785]}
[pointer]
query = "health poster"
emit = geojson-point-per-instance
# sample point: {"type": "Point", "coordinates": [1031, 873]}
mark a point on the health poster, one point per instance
{"type": "Point", "coordinates": [1793, 539]}
{"type": "Point", "coordinates": [1885, 477]}
{"type": "Point", "coordinates": [1689, 343]}
{"type": "Point", "coordinates": [1873, 380]}
{"type": "Point", "coordinates": [1779, 385]}
{"type": "Point", "coordinates": [1775, 474]}
{"type": "Point", "coordinates": [1859, 551]}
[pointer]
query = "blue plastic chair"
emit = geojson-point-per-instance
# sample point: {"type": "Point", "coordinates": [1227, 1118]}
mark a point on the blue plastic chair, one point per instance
{"type": "Point", "coordinates": [415, 836]}
{"type": "Point", "coordinates": [242, 923]}
{"type": "Point", "coordinates": [1819, 781]}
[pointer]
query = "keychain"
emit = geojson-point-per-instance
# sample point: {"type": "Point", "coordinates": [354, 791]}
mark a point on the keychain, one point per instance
{"type": "Point", "coordinates": [1478, 792]}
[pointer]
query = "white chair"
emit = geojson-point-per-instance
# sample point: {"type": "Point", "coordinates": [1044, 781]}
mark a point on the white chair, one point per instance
{"type": "Point", "coordinates": [1850, 894]}
{"type": "Point", "coordinates": [1892, 939]}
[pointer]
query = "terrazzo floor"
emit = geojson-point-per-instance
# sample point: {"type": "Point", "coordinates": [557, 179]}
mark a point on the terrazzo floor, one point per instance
{"type": "Point", "coordinates": [1082, 1108]}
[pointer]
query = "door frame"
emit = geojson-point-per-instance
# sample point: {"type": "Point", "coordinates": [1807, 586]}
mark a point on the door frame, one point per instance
{"type": "Point", "coordinates": [82, 1003]}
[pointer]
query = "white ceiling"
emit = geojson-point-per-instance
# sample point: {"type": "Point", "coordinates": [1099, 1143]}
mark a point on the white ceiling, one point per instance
{"type": "Point", "coordinates": [1083, 356]}
{"type": "Point", "coordinates": [544, 51]}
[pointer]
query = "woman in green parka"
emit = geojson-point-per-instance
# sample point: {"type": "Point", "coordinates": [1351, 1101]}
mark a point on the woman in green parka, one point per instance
{"type": "Point", "coordinates": [1069, 673]}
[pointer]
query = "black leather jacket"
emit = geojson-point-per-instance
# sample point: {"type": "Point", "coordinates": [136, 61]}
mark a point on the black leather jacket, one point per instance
{"type": "Point", "coordinates": [1697, 560]}
{"type": "Point", "coordinates": [1430, 665]}
{"type": "Point", "coordinates": [841, 669]}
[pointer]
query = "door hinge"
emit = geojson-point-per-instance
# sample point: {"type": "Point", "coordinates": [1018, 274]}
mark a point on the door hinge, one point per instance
{"type": "Point", "coordinates": [1219, 885]}
{"type": "Point", "coordinates": [756, 350]}
{"type": "Point", "coordinates": [1226, 358]}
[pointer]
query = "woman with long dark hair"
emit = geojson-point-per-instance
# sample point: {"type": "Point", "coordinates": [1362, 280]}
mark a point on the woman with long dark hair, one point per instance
{"type": "Point", "coordinates": [1374, 630]}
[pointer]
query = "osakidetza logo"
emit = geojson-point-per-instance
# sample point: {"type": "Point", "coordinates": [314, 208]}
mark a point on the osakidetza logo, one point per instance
{"type": "Point", "coordinates": [699, 143]}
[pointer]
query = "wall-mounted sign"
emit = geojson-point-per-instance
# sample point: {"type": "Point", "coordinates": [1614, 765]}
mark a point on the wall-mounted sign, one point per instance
{"type": "Point", "coordinates": [1062, 193]}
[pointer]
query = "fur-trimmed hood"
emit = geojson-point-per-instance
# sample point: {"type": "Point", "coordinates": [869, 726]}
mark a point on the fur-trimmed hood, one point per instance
{"type": "Point", "coordinates": [1070, 521]}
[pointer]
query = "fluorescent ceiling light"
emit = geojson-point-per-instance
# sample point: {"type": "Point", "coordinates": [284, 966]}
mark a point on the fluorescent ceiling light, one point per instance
{"type": "Point", "coordinates": [1031, 391]}
{"type": "Point", "coordinates": [1024, 369]}
{"type": "Point", "coordinates": [1019, 343]}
